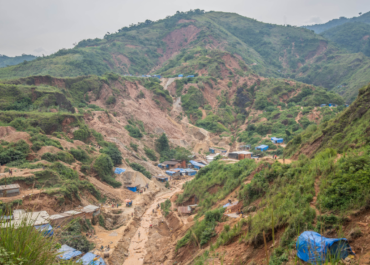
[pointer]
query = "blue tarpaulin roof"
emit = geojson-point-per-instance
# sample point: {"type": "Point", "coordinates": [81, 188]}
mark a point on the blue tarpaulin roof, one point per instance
{"type": "Point", "coordinates": [119, 170]}
{"type": "Point", "coordinates": [88, 259]}
{"type": "Point", "coordinates": [47, 229]}
{"type": "Point", "coordinates": [196, 163]}
{"type": "Point", "coordinates": [181, 170]}
{"type": "Point", "coordinates": [313, 247]}
{"type": "Point", "coordinates": [189, 170]}
{"type": "Point", "coordinates": [67, 252]}
{"type": "Point", "coordinates": [275, 138]}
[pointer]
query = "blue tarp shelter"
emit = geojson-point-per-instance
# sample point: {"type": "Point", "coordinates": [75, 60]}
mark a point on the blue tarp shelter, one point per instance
{"type": "Point", "coordinates": [196, 165]}
{"type": "Point", "coordinates": [314, 248]}
{"type": "Point", "coordinates": [119, 170]}
{"type": "Point", "coordinates": [277, 140]}
{"type": "Point", "coordinates": [189, 76]}
{"type": "Point", "coordinates": [91, 259]}
{"type": "Point", "coordinates": [134, 189]}
{"type": "Point", "coordinates": [46, 229]}
{"type": "Point", "coordinates": [212, 150]}
{"type": "Point", "coordinates": [169, 172]}
{"type": "Point", "coordinates": [190, 172]}
{"type": "Point", "coordinates": [67, 252]}
{"type": "Point", "coordinates": [322, 105]}
{"type": "Point", "coordinates": [262, 147]}
{"type": "Point", "coordinates": [181, 75]}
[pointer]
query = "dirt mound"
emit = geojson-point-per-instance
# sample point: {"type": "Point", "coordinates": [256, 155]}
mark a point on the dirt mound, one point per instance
{"type": "Point", "coordinates": [174, 221]}
{"type": "Point", "coordinates": [133, 179]}
{"type": "Point", "coordinates": [48, 149]}
{"type": "Point", "coordinates": [16, 136]}
{"type": "Point", "coordinates": [4, 131]}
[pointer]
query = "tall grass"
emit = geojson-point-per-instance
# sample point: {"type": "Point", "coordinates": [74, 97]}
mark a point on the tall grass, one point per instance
{"type": "Point", "coordinates": [23, 244]}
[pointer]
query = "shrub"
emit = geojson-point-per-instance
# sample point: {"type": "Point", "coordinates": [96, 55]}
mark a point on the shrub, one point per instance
{"type": "Point", "coordinates": [111, 100]}
{"type": "Point", "coordinates": [133, 131]}
{"type": "Point", "coordinates": [82, 134]}
{"type": "Point", "coordinates": [134, 146]}
{"type": "Point", "coordinates": [79, 154]}
{"type": "Point", "coordinates": [113, 153]}
{"type": "Point", "coordinates": [104, 167]}
{"type": "Point", "coordinates": [150, 154]}
{"type": "Point", "coordinates": [140, 168]}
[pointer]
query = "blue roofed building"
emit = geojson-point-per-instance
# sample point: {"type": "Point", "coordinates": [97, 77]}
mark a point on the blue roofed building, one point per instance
{"type": "Point", "coordinates": [262, 147]}
{"type": "Point", "coordinates": [196, 165]}
{"type": "Point", "coordinates": [277, 140]}
{"type": "Point", "coordinates": [190, 172]}
{"type": "Point", "coordinates": [119, 170]}
{"type": "Point", "coordinates": [181, 75]}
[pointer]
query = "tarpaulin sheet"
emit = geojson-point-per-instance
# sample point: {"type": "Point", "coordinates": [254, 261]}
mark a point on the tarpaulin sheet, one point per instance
{"type": "Point", "coordinates": [314, 248]}
{"type": "Point", "coordinates": [47, 229]}
{"type": "Point", "coordinates": [88, 259]}
{"type": "Point", "coordinates": [119, 170]}
{"type": "Point", "coordinates": [134, 189]}
{"type": "Point", "coordinates": [67, 252]}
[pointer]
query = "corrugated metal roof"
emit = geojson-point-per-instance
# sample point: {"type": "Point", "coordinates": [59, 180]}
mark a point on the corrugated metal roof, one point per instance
{"type": "Point", "coordinates": [9, 187]}
{"type": "Point", "coordinates": [262, 146]}
{"type": "Point", "coordinates": [90, 208]}
{"type": "Point", "coordinates": [71, 213]}
{"type": "Point", "coordinates": [170, 163]}
{"type": "Point", "coordinates": [241, 152]}
{"type": "Point", "coordinates": [184, 209]}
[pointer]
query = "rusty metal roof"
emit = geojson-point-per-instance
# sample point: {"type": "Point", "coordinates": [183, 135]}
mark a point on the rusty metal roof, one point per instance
{"type": "Point", "coordinates": [184, 209]}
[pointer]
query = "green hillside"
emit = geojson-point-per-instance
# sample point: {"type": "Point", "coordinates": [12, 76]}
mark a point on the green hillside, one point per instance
{"type": "Point", "coordinates": [349, 132]}
{"type": "Point", "coordinates": [319, 28]}
{"type": "Point", "coordinates": [7, 61]}
{"type": "Point", "coordinates": [353, 37]}
{"type": "Point", "coordinates": [268, 50]}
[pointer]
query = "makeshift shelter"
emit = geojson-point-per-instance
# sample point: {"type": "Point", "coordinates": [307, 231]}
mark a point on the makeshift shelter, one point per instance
{"type": "Point", "coordinates": [190, 172]}
{"type": "Point", "coordinates": [245, 147]}
{"type": "Point", "coordinates": [182, 171]}
{"type": "Point", "coordinates": [196, 165]}
{"type": "Point", "coordinates": [314, 248]}
{"type": "Point", "coordinates": [132, 180]}
{"type": "Point", "coordinates": [322, 105]}
{"type": "Point", "coordinates": [67, 252]}
{"type": "Point", "coordinates": [9, 190]}
{"type": "Point", "coordinates": [171, 164]}
{"type": "Point", "coordinates": [262, 147]}
{"type": "Point", "coordinates": [91, 210]}
{"type": "Point", "coordinates": [161, 178]}
{"type": "Point", "coordinates": [173, 174]}
{"type": "Point", "coordinates": [46, 229]}
{"type": "Point", "coordinates": [91, 259]}
{"type": "Point", "coordinates": [239, 155]}
{"type": "Point", "coordinates": [184, 209]}
{"type": "Point", "coordinates": [277, 140]}
{"type": "Point", "coordinates": [119, 170]}
{"type": "Point", "coordinates": [211, 150]}
{"type": "Point", "coordinates": [181, 75]}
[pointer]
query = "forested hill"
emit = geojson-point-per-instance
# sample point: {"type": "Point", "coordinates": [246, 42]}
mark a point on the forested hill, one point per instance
{"type": "Point", "coordinates": [319, 28]}
{"type": "Point", "coordinates": [7, 61]}
{"type": "Point", "coordinates": [153, 47]}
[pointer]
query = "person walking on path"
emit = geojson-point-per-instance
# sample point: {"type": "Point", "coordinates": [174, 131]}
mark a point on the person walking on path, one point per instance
{"type": "Point", "coordinates": [138, 235]}
{"type": "Point", "coordinates": [10, 172]}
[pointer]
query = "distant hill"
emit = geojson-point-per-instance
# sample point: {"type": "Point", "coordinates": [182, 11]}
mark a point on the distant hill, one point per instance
{"type": "Point", "coordinates": [319, 28]}
{"type": "Point", "coordinates": [156, 47]}
{"type": "Point", "coordinates": [354, 37]}
{"type": "Point", "coordinates": [8, 61]}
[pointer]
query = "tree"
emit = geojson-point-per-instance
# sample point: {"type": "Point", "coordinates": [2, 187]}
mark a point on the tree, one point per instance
{"type": "Point", "coordinates": [162, 144]}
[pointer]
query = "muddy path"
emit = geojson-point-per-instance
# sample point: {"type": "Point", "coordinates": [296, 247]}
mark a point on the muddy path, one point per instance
{"type": "Point", "coordinates": [137, 250]}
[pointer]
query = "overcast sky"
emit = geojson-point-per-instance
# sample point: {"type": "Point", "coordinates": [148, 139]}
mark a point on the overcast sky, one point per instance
{"type": "Point", "coordinates": [45, 26]}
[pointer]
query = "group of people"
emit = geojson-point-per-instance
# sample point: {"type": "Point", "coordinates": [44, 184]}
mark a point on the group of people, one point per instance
{"type": "Point", "coordinates": [107, 248]}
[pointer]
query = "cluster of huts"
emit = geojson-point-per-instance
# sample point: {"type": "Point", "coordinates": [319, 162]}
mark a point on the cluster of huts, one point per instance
{"type": "Point", "coordinates": [176, 169]}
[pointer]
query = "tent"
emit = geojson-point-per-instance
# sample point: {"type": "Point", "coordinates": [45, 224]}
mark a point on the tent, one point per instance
{"type": "Point", "coordinates": [314, 248]}
{"type": "Point", "coordinates": [119, 170]}
{"type": "Point", "coordinates": [47, 229]}
{"type": "Point", "coordinates": [91, 259]}
{"type": "Point", "coordinates": [67, 252]}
